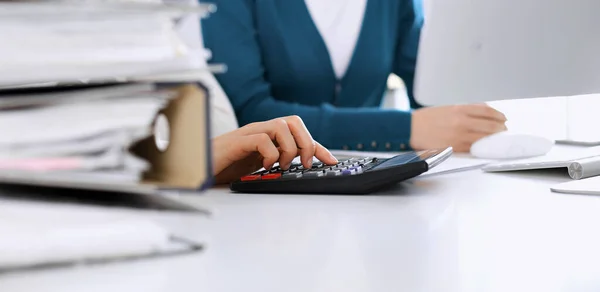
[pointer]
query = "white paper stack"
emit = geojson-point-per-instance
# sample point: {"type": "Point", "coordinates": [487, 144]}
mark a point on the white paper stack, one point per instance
{"type": "Point", "coordinates": [83, 82]}
{"type": "Point", "coordinates": [77, 84]}
{"type": "Point", "coordinates": [49, 41]}
{"type": "Point", "coordinates": [78, 131]}
{"type": "Point", "coordinates": [38, 235]}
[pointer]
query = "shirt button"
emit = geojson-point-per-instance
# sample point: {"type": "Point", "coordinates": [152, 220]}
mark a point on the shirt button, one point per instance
{"type": "Point", "coordinates": [388, 146]}
{"type": "Point", "coordinates": [338, 89]}
{"type": "Point", "coordinates": [374, 144]}
{"type": "Point", "coordinates": [402, 146]}
{"type": "Point", "coordinates": [359, 146]}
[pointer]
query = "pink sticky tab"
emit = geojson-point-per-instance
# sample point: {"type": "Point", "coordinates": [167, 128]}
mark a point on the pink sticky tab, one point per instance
{"type": "Point", "coordinates": [41, 164]}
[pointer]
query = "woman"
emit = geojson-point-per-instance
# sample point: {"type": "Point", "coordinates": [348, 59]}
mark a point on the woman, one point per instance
{"type": "Point", "coordinates": [328, 62]}
{"type": "Point", "coordinates": [257, 145]}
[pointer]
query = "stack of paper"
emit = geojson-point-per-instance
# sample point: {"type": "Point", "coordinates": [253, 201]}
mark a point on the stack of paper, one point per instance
{"type": "Point", "coordinates": [90, 91]}
{"type": "Point", "coordinates": [85, 83]}
{"type": "Point", "coordinates": [78, 130]}
{"type": "Point", "coordinates": [81, 40]}
{"type": "Point", "coordinates": [38, 235]}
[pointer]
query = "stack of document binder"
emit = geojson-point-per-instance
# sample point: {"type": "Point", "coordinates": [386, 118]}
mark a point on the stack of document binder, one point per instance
{"type": "Point", "coordinates": [101, 95]}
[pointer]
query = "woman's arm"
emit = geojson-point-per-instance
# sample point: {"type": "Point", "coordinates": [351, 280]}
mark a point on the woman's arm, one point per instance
{"type": "Point", "coordinates": [231, 36]}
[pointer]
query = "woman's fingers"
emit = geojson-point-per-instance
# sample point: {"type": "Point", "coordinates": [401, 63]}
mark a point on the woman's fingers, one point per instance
{"type": "Point", "coordinates": [324, 155]}
{"type": "Point", "coordinates": [485, 111]}
{"type": "Point", "coordinates": [262, 144]}
{"type": "Point", "coordinates": [280, 132]}
{"type": "Point", "coordinates": [485, 126]}
{"type": "Point", "coordinates": [292, 138]}
{"type": "Point", "coordinates": [304, 141]}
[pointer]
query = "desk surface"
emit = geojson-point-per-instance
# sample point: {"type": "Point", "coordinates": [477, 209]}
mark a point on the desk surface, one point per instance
{"type": "Point", "coordinates": [468, 231]}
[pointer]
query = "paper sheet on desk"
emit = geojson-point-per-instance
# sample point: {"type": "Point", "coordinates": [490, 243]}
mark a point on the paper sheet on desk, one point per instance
{"type": "Point", "coordinates": [457, 162]}
{"type": "Point", "coordinates": [34, 235]}
{"type": "Point", "coordinates": [588, 186]}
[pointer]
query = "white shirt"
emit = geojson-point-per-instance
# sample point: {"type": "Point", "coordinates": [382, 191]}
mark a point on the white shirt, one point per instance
{"type": "Point", "coordinates": [339, 22]}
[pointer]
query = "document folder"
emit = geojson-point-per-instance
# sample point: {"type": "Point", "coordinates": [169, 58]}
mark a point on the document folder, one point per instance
{"type": "Point", "coordinates": [184, 165]}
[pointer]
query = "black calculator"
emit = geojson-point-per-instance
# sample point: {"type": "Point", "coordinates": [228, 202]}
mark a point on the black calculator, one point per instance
{"type": "Point", "coordinates": [355, 175]}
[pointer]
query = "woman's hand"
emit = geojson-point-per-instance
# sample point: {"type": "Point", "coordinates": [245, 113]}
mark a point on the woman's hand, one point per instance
{"type": "Point", "coordinates": [257, 145]}
{"type": "Point", "coordinates": [458, 126]}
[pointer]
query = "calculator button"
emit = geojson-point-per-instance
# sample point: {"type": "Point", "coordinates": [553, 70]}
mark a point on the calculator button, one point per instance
{"type": "Point", "coordinates": [271, 176]}
{"type": "Point", "coordinates": [333, 173]}
{"type": "Point", "coordinates": [313, 174]}
{"type": "Point", "coordinates": [351, 170]}
{"type": "Point", "coordinates": [368, 165]}
{"type": "Point", "coordinates": [292, 175]}
{"type": "Point", "coordinates": [317, 165]}
{"type": "Point", "coordinates": [251, 177]}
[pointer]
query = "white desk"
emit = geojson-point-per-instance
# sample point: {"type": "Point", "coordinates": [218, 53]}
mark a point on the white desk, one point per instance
{"type": "Point", "coordinates": [467, 231]}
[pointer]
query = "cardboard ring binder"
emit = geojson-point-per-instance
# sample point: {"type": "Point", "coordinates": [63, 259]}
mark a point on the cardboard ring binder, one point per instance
{"type": "Point", "coordinates": [183, 164]}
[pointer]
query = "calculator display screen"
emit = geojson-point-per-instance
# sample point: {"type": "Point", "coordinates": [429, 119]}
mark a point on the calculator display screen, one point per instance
{"type": "Point", "coordinates": [408, 157]}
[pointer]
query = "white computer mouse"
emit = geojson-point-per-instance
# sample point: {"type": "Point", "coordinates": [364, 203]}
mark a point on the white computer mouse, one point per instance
{"type": "Point", "coordinates": [505, 145]}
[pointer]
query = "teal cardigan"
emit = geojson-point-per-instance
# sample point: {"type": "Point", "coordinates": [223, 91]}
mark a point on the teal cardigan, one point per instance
{"type": "Point", "coordinates": [278, 65]}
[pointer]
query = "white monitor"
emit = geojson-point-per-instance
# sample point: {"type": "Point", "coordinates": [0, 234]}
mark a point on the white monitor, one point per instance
{"type": "Point", "coordinates": [484, 50]}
